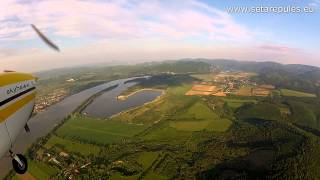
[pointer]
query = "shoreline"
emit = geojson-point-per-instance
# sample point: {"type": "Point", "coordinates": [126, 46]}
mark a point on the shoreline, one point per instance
{"type": "Point", "coordinates": [163, 92]}
{"type": "Point", "coordinates": [125, 97]}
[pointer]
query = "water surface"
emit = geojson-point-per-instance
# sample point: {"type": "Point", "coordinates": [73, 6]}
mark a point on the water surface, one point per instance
{"type": "Point", "coordinates": [107, 104]}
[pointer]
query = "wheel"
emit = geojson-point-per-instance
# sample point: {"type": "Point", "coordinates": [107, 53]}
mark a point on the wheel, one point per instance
{"type": "Point", "coordinates": [17, 167]}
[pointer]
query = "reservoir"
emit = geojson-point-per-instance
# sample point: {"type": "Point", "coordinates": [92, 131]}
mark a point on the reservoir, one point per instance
{"type": "Point", "coordinates": [107, 104]}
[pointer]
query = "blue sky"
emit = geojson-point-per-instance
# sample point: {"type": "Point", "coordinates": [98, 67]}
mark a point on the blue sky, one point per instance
{"type": "Point", "coordinates": [133, 31]}
{"type": "Point", "coordinates": [297, 29]}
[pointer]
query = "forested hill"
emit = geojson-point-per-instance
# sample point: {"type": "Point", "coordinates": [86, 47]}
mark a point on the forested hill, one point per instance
{"type": "Point", "coordinates": [294, 76]}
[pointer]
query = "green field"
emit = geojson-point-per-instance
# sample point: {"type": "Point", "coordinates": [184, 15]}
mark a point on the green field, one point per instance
{"type": "Point", "coordinates": [91, 130]}
{"type": "Point", "coordinates": [288, 92]}
{"type": "Point", "coordinates": [199, 117]}
{"type": "Point", "coordinates": [41, 170]}
{"type": "Point", "coordinates": [220, 125]}
{"type": "Point", "coordinates": [118, 176]}
{"type": "Point", "coordinates": [198, 111]}
{"type": "Point", "coordinates": [190, 125]}
{"type": "Point", "coordinates": [72, 146]}
{"type": "Point", "coordinates": [146, 159]}
{"type": "Point", "coordinates": [236, 103]}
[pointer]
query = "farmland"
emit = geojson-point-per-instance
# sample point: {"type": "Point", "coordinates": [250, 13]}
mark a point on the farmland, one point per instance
{"type": "Point", "coordinates": [257, 131]}
{"type": "Point", "coordinates": [39, 170]}
{"type": "Point", "coordinates": [199, 117]}
{"type": "Point", "coordinates": [72, 146]}
{"type": "Point", "coordinates": [91, 130]}
{"type": "Point", "coordinates": [287, 92]}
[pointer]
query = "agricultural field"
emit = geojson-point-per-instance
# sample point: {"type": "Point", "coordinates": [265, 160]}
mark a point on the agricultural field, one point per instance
{"type": "Point", "coordinates": [38, 170]}
{"type": "Point", "coordinates": [147, 160]}
{"type": "Point", "coordinates": [198, 89]}
{"type": "Point", "coordinates": [72, 146]}
{"type": "Point", "coordinates": [244, 91]}
{"type": "Point", "coordinates": [235, 103]}
{"type": "Point", "coordinates": [199, 117]}
{"type": "Point", "coordinates": [241, 136]}
{"type": "Point", "coordinates": [288, 92]}
{"type": "Point", "coordinates": [97, 131]}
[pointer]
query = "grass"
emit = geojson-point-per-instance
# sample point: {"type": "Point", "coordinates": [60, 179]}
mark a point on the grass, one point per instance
{"type": "Point", "coordinates": [236, 103]}
{"type": "Point", "coordinates": [118, 176]}
{"type": "Point", "coordinates": [91, 130]}
{"type": "Point", "coordinates": [197, 111]}
{"type": "Point", "coordinates": [190, 125]}
{"type": "Point", "coordinates": [220, 125]}
{"type": "Point", "coordinates": [147, 158]}
{"type": "Point", "coordinates": [41, 170]}
{"type": "Point", "coordinates": [72, 146]}
{"type": "Point", "coordinates": [166, 133]}
{"type": "Point", "coordinates": [149, 176]}
{"type": "Point", "coordinates": [288, 92]}
{"type": "Point", "coordinates": [199, 117]}
{"type": "Point", "coordinates": [153, 176]}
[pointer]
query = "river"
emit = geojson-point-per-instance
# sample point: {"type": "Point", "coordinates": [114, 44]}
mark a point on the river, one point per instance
{"type": "Point", "coordinates": [102, 106]}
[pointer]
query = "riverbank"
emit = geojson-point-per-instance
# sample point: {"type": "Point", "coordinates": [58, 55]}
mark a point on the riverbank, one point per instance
{"type": "Point", "coordinates": [122, 97]}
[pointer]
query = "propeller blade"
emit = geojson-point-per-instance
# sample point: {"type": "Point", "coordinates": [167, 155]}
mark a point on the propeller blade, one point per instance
{"type": "Point", "coordinates": [45, 39]}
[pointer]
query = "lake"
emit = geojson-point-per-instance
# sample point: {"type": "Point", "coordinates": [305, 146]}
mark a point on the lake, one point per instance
{"type": "Point", "coordinates": [107, 104]}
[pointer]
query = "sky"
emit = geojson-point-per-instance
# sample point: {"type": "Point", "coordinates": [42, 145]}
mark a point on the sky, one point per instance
{"type": "Point", "coordinates": [134, 31]}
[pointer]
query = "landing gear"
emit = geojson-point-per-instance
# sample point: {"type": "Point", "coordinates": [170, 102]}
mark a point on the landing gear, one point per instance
{"type": "Point", "coordinates": [19, 163]}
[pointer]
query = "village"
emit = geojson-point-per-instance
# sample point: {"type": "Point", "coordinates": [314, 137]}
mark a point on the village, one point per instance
{"type": "Point", "coordinates": [228, 82]}
{"type": "Point", "coordinates": [42, 102]}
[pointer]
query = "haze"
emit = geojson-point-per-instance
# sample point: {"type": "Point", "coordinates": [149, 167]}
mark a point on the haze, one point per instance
{"type": "Point", "coordinates": [121, 32]}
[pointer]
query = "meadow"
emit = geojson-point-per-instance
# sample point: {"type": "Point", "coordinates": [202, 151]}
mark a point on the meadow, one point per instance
{"type": "Point", "coordinates": [39, 170]}
{"type": "Point", "coordinates": [147, 160]}
{"type": "Point", "coordinates": [288, 92]}
{"type": "Point", "coordinates": [235, 103]}
{"type": "Point", "coordinates": [72, 146]}
{"type": "Point", "coordinates": [199, 117]}
{"type": "Point", "coordinates": [97, 131]}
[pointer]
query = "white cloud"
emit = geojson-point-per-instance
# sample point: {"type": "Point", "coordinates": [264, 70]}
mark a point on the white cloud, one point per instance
{"type": "Point", "coordinates": [129, 30]}
{"type": "Point", "coordinates": [118, 19]}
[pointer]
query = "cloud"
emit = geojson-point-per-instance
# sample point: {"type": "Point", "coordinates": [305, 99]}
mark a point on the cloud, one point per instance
{"type": "Point", "coordinates": [123, 19]}
{"type": "Point", "coordinates": [279, 48]}
{"type": "Point", "coordinates": [94, 31]}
